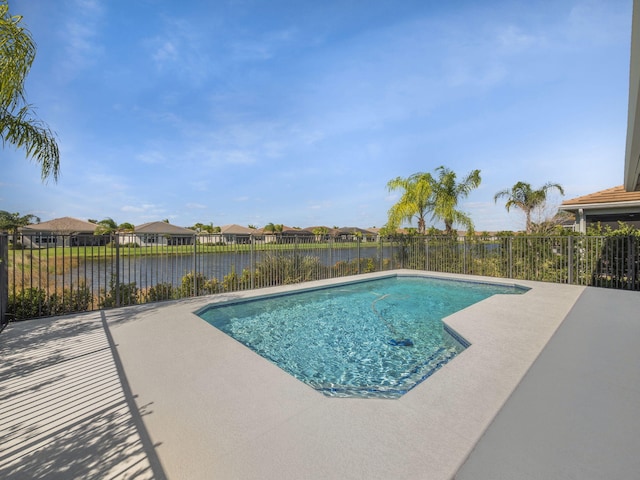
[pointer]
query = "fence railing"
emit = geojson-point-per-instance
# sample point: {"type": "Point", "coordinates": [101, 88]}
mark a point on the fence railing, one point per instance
{"type": "Point", "coordinates": [4, 280]}
{"type": "Point", "coordinates": [61, 274]}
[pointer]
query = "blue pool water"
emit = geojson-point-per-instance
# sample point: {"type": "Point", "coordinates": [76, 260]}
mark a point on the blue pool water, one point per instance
{"type": "Point", "coordinates": [375, 338]}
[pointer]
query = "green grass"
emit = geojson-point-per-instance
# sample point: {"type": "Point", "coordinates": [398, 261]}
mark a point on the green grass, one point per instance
{"type": "Point", "coordinates": [94, 252]}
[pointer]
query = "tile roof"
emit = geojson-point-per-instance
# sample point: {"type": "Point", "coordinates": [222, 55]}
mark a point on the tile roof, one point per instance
{"type": "Point", "coordinates": [63, 225]}
{"type": "Point", "coordinates": [235, 229]}
{"type": "Point", "coordinates": [611, 195]}
{"type": "Point", "coordinates": [163, 227]}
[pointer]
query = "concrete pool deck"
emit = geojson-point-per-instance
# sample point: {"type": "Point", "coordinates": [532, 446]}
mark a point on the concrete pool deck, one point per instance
{"type": "Point", "coordinates": [153, 391]}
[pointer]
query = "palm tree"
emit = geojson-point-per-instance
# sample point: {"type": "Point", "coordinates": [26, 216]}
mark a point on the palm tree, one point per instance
{"type": "Point", "coordinates": [522, 196]}
{"type": "Point", "coordinates": [273, 228]}
{"type": "Point", "coordinates": [109, 226]}
{"type": "Point", "coordinates": [11, 222]}
{"type": "Point", "coordinates": [18, 124]}
{"type": "Point", "coordinates": [106, 227]}
{"type": "Point", "coordinates": [447, 193]}
{"type": "Point", "coordinates": [414, 202]}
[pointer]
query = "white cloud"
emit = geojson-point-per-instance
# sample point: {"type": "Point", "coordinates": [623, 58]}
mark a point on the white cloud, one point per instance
{"type": "Point", "coordinates": [181, 50]}
{"type": "Point", "coordinates": [81, 33]}
{"type": "Point", "coordinates": [152, 157]}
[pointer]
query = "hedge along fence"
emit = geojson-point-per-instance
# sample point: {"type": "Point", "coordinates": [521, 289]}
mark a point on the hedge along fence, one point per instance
{"type": "Point", "coordinates": [54, 280]}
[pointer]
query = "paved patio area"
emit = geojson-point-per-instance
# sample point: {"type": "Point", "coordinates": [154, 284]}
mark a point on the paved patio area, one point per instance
{"type": "Point", "coordinates": [153, 391]}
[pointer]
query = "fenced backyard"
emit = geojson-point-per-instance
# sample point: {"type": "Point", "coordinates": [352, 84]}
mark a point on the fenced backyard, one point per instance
{"type": "Point", "coordinates": [69, 274]}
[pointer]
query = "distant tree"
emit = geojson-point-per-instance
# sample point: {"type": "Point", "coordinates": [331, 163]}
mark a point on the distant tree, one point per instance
{"type": "Point", "coordinates": [252, 227]}
{"type": "Point", "coordinates": [274, 228]}
{"type": "Point", "coordinates": [92, 220]}
{"type": "Point", "coordinates": [553, 225]}
{"type": "Point", "coordinates": [166, 220]}
{"type": "Point", "coordinates": [106, 226]}
{"type": "Point", "coordinates": [525, 198]}
{"type": "Point", "coordinates": [202, 227]}
{"type": "Point", "coordinates": [415, 201]}
{"type": "Point", "coordinates": [11, 222]}
{"type": "Point", "coordinates": [19, 125]}
{"type": "Point", "coordinates": [126, 227]}
{"type": "Point", "coordinates": [109, 226]}
{"type": "Point", "coordinates": [447, 192]}
{"type": "Point", "coordinates": [388, 231]}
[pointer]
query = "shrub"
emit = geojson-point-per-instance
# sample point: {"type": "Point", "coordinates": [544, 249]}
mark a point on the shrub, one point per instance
{"type": "Point", "coordinates": [28, 303]}
{"type": "Point", "coordinates": [203, 286]}
{"type": "Point", "coordinates": [126, 292]}
{"type": "Point", "coordinates": [233, 282]}
{"type": "Point", "coordinates": [71, 300]}
{"type": "Point", "coordinates": [161, 291]}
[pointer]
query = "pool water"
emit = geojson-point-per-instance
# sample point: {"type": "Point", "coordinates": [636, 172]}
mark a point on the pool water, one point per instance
{"type": "Point", "coordinates": [377, 338]}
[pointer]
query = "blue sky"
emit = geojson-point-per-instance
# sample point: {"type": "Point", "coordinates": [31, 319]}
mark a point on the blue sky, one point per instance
{"type": "Point", "coordinates": [300, 112]}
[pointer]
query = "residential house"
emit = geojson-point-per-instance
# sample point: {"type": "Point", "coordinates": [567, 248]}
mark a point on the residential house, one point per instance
{"type": "Point", "coordinates": [61, 232]}
{"type": "Point", "coordinates": [228, 235]}
{"type": "Point", "coordinates": [158, 233]}
{"type": "Point", "coordinates": [607, 207]}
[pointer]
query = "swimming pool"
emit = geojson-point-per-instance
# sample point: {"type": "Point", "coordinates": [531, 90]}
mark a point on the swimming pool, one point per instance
{"type": "Point", "coordinates": [376, 338]}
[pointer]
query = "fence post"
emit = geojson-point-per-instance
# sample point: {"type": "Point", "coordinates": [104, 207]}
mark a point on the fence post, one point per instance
{"type": "Point", "coordinates": [464, 255]}
{"type": "Point", "coordinates": [570, 260]}
{"type": "Point", "coordinates": [194, 265]}
{"type": "Point", "coordinates": [358, 239]}
{"type": "Point", "coordinates": [510, 245]}
{"type": "Point", "coordinates": [331, 257]}
{"type": "Point", "coordinates": [425, 241]}
{"type": "Point", "coordinates": [116, 242]}
{"type": "Point", "coordinates": [252, 261]}
{"type": "Point", "coordinates": [4, 279]}
{"type": "Point", "coordinates": [631, 257]}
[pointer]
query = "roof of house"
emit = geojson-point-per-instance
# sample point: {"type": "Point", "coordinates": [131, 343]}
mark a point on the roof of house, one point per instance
{"type": "Point", "coordinates": [350, 230]}
{"type": "Point", "coordinates": [615, 195]}
{"type": "Point", "coordinates": [163, 227]}
{"type": "Point", "coordinates": [63, 225]}
{"type": "Point", "coordinates": [235, 229]}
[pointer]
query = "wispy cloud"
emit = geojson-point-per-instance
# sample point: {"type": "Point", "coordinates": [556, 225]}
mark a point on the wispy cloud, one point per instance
{"type": "Point", "coordinates": [181, 51]}
{"type": "Point", "coordinates": [81, 36]}
{"type": "Point", "coordinates": [265, 46]}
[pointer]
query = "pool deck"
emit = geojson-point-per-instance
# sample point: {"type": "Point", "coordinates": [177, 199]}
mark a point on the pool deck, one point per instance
{"type": "Point", "coordinates": [152, 391]}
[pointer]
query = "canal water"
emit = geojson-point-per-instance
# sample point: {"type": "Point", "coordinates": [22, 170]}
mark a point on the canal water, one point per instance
{"type": "Point", "coordinates": [150, 270]}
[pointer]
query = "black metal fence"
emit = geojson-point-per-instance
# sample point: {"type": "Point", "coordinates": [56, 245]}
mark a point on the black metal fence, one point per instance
{"type": "Point", "coordinates": [4, 280]}
{"type": "Point", "coordinates": [64, 273]}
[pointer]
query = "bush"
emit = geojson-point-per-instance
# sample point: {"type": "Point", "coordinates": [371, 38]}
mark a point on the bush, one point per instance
{"type": "Point", "coordinates": [233, 282]}
{"type": "Point", "coordinates": [28, 303]}
{"type": "Point", "coordinates": [71, 300]}
{"type": "Point", "coordinates": [126, 292]}
{"type": "Point", "coordinates": [161, 291]}
{"type": "Point", "coordinates": [203, 286]}
{"type": "Point", "coordinates": [36, 302]}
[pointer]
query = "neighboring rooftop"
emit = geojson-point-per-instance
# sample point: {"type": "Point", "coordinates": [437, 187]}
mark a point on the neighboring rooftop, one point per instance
{"type": "Point", "coordinates": [616, 195]}
{"type": "Point", "coordinates": [163, 227]}
{"type": "Point", "coordinates": [62, 225]}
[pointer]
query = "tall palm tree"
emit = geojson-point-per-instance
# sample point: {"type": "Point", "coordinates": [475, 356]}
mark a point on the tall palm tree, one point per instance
{"type": "Point", "coordinates": [18, 124]}
{"type": "Point", "coordinates": [446, 195]}
{"type": "Point", "coordinates": [522, 196]}
{"type": "Point", "coordinates": [414, 202]}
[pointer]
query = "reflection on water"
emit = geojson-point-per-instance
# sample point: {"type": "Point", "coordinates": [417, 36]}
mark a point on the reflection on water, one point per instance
{"type": "Point", "coordinates": [149, 270]}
